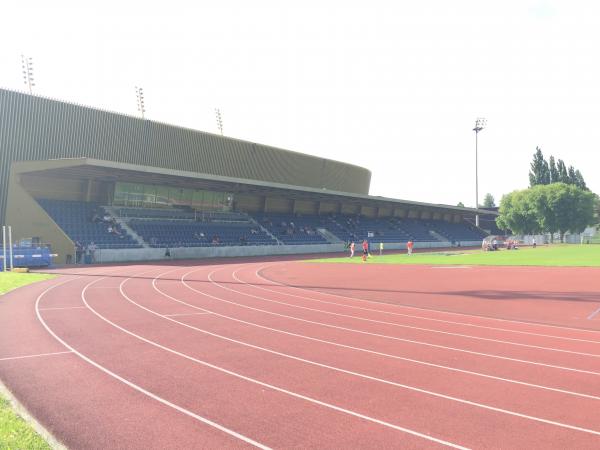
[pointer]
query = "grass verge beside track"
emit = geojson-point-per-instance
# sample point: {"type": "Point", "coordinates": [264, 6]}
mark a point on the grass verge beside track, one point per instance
{"type": "Point", "coordinates": [15, 433]}
{"type": "Point", "coordinates": [10, 281]}
{"type": "Point", "coordinates": [550, 255]}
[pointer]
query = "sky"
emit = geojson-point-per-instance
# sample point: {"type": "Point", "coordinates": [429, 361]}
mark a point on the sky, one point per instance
{"type": "Point", "coordinates": [393, 86]}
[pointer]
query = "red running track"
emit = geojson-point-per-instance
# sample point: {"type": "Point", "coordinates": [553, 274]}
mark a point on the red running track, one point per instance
{"type": "Point", "coordinates": [287, 354]}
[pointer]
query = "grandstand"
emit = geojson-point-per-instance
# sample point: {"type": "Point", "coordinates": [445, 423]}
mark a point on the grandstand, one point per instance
{"type": "Point", "coordinates": [73, 174]}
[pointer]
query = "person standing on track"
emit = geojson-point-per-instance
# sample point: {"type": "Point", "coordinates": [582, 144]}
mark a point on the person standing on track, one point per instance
{"type": "Point", "coordinates": [365, 247]}
{"type": "Point", "coordinates": [380, 248]}
{"type": "Point", "coordinates": [409, 247]}
{"type": "Point", "coordinates": [351, 249]}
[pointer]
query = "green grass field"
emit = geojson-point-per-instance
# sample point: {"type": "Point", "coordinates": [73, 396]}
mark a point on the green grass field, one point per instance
{"type": "Point", "coordinates": [15, 433]}
{"type": "Point", "coordinates": [550, 255]}
{"type": "Point", "coordinates": [10, 281]}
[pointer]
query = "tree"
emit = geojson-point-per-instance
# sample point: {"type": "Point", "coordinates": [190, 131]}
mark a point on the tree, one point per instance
{"type": "Point", "coordinates": [540, 172]}
{"type": "Point", "coordinates": [557, 207]}
{"type": "Point", "coordinates": [572, 208]}
{"type": "Point", "coordinates": [579, 181]}
{"type": "Point", "coordinates": [518, 213]}
{"type": "Point", "coordinates": [572, 175]}
{"type": "Point", "coordinates": [461, 204]}
{"type": "Point", "coordinates": [554, 176]}
{"type": "Point", "coordinates": [488, 201]}
{"type": "Point", "coordinates": [563, 175]}
{"type": "Point", "coordinates": [545, 216]}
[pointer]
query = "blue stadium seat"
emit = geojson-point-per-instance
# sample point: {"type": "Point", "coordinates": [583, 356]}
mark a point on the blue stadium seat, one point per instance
{"type": "Point", "coordinates": [75, 219]}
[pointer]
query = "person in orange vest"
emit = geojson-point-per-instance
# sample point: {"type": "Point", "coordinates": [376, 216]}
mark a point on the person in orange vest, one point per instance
{"type": "Point", "coordinates": [365, 247]}
{"type": "Point", "coordinates": [409, 247]}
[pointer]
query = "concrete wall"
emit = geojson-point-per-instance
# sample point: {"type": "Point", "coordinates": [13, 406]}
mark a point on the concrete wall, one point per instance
{"type": "Point", "coordinates": [151, 254]}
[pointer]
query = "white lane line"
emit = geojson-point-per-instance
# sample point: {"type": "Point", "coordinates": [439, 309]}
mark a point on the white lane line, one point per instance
{"type": "Point", "coordinates": [10, 358]}
{"type": "Point", "coordinates": [261, 383]}
{"type": "Point", "coordinates": [105, 287]}
{"type": "Point", "coordinates": [348, 372]}
{"type": "Point", "coordinates": [135, 386]}
{"type": "Point", "coordinates": [410, 341]}
{"type": "Point", "coordinates": [405, 315]}
{"type": "Point", "coordinates": [411, 327]}
{"type": "Point", "coordinates": [594, 314]}
{"type": "Point", "coordinates": [185, 314]}
{"type": "Point", "coordinates": [440, 311]}
{"type": "Point", "coordinates": [373, 352]}
{"type": "Point", "coordinates": [62, 307]}
{"type": "Point", "coordinates": [450, 267]}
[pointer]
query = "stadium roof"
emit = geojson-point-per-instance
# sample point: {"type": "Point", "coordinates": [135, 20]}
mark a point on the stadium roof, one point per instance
{"type": "Point", "coordinates": [89, 168]}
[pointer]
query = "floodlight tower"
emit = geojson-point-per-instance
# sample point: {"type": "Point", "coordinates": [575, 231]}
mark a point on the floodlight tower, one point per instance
{"type": "Point", "coordinates": [141, 106]}
{"type": "Point", "coordinates": [27, 67]}
{"type": "Point", "coordinates": [480, 124]}
{"type": "Point", "coordinates": [219, 120]}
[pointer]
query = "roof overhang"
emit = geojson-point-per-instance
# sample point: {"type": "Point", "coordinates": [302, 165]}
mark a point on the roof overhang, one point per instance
{"type": "Point", "coordinates": [89, 168]}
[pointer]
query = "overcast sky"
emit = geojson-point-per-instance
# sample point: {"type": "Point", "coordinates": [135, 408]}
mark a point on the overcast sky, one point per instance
{"type": "Point", "coordinates": [394, 86]}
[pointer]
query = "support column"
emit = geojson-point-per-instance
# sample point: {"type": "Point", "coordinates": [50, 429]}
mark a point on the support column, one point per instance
{"type": "Point", "coordinates": [10, 247]}
{"type": "Point", "coordinates": [4, 247]}
{"type": "Point", "coordinates": [88, 195]}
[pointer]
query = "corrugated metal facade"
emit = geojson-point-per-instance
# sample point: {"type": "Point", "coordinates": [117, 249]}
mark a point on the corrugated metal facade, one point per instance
{"type": "Point", "coordinates": [36, 128]}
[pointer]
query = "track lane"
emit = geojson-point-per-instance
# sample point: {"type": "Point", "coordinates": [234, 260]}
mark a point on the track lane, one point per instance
{"type": "Point", "coordinates": [250, 275]}
{"type": "Point", "coordinates": [577, 384]}
{"type": "Point", "coordinates": [188, 316]}
{"type": "Point", "coordinates": [276, 308]}
{"type": "Point", "coordinates": [266, 415]}
{"type": "Point", "coordinates": [429, 334]}
{"type": "Point", "coordinates": [145, 296]}
{"type": "Point", "coordinates": [555, 299]}
{"type": "Point", "coordinates": [373, 342]}
{"type": "Point", "coordinates": [78, 404]}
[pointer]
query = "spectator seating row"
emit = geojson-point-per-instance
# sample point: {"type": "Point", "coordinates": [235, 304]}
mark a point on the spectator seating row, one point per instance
{"type": "Point", "coordinates": [358, 228]}
{"type": "Point", "coordinates": [455, 232]}
{"type": "Point", "coordinates": [292, 229]}
{"type": "Point", "coordinates": [180, 228]}
{"type": "Point", "coordinates": [416, 229]}
{"type": "Point", "coordinates": [169, 233]}
{"type": "Point", "coordinates": [179, 214]}
{"type": "Point", "coordinates": [75, 219]}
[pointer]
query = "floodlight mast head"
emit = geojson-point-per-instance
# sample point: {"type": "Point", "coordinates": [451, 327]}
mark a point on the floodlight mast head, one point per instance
{"type": "Point", "coordinates": [27, 68]}
{"type": "Point", "coordinates": [219, 120]}
{"type": "Point", "coordinates": [141, 106]}
{"type": "Point", "coordinates": [480, 124]}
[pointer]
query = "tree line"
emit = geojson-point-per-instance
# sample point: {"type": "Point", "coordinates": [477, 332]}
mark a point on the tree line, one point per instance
{"type": "Point", "coordinates": [551, 171]}
{"type": "Point", "coordinates": [557, 201]}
